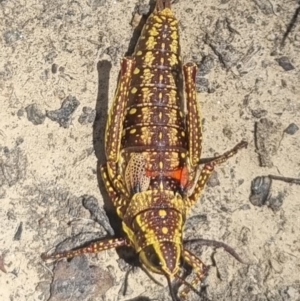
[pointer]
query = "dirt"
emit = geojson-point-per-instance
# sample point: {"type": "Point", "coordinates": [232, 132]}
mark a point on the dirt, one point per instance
{"type": "Point", "coordinates": [59, 62]}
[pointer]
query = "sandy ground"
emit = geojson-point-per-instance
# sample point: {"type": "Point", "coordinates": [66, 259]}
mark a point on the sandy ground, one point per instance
{"type": "Point", "coordinates": [56, 53]}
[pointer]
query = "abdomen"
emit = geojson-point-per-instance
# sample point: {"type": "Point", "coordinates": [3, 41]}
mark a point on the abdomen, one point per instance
{"type": "Point", "coordinates": [155, 118]}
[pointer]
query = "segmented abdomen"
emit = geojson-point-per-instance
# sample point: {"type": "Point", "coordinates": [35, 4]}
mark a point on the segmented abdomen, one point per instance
{"type": "Point", "coordinates": [154, 118]}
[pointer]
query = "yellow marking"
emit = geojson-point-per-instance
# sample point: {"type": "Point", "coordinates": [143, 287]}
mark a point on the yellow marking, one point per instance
{"type": "Point", "coordinates": [173, 60]}
{"type": "Point", "coordinates": [174, 46]}
{"type": "Point", "coordinates": [161, 165]}
{"type": "Point", "coordinates": [162, 213]}
{"type": "Point", "coordinates": [172, 97]}
{"type": "Point", "coordinates": [160, 135]}
{"type": "Point", "coordinates": [153, 32]}
{"type": "Point", "coordinates": [132, 111]}
{"type": "Point", "coordinates": [133, 90]}
{"type": "Point", "coordinates": [161, 186]}
{"type": "Point", "coordinates": [167, 12]}
{"type": "Point", "coordinates": [161, 77]}
{"type": "Point", "coordinates": [183, 155]}
{"type": "Point", "coordinates": [157, 19]}
{"type": "Point", "coordinates": [174, 35]}
{"type": "Point", "coordinates": [160, 115]}
{"type": "Point", "coordinates": [147, 76]}
{"type": "Point", "coordinates": [149, 57]}
{"type": "Point", "coordinates": [164, 230]}
{"type": "Point", "coordinates": [136, 71]}
{"type": "Point", "coordinates": [132, 131]}
{"type": "Point", "coordinates": [162, 61]}
{"type": "Point", "coordinates": [171, 80]}
{"type": "Point", "coordinates": [139, 53]}
{"type": "Point", "coordinates": [163, 46]}
{"type": "Point", "coordinates": [151, 43]}
{"type": "Point", "coordinates": [146, 94]}
{"type": "Point", "coordinates": [157, 25]}
{"type": "Point", "coordinates": [183, 134]}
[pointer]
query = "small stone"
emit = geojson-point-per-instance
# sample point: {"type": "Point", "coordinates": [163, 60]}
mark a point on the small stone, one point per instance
{"type": "Point", "coordinates": [276, 202]}
{"type": "Point", "coordinates": [88, 115]}
{"type": "Point", "coordinates": [54, 68]}
{"type": "Point", "coordinates": [64, 115]}
{"type": "Point", "coordinates": [21, 112]}
{"type": "Point", "coordinates": [260, 190]}
{"type": "Point", "coordinates": [285, 63]}
{"type": "Point", "coordinates": [291, 129]}
{"type": "Point", "coordinates": [34, 114]}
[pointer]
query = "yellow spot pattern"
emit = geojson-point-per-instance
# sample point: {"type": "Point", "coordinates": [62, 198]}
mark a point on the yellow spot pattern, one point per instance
{"type": "Point", "coordinates": [164, 230]}
{"type": "Point", "coordinates": [132, 111]}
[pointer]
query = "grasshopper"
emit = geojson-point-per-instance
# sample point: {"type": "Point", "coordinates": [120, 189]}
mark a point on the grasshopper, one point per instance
{"type": "Point", "coordinates": [153, 144]}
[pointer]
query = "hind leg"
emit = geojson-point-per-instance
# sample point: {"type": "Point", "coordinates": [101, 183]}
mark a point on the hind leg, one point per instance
{"type": "Point", "coordinates": [202, 175]}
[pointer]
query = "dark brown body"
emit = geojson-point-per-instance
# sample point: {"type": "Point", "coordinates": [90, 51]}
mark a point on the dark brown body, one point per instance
{"type": "Point", "coordinates": [154, 144]}
{"type": "Point", "coordinates": [155, 121]}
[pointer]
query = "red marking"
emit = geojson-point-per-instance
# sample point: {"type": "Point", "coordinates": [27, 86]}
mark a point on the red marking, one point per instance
{"type": "Point", "coordinates": [184, 176]}
{"type": "Point", "coordinates": [175, 174]}
{"type": "Point", "coordinates": [151, 173]}
{"type": "Point", "coordinates": [180, 174]}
